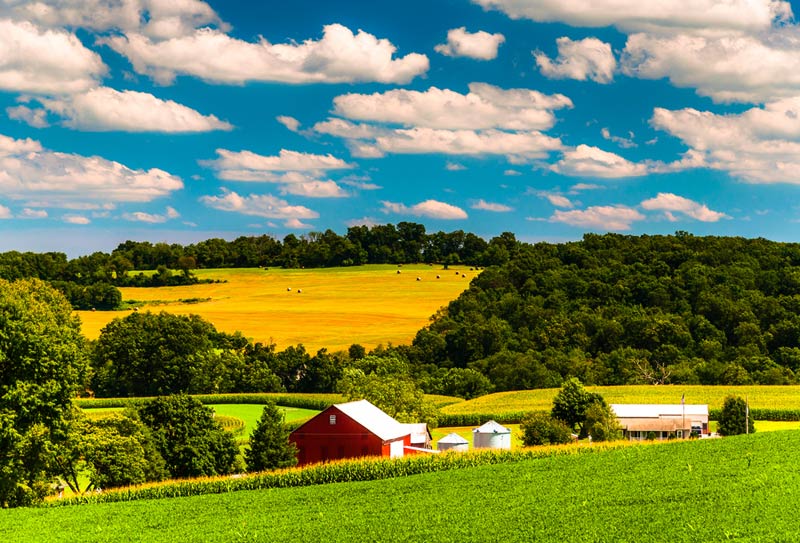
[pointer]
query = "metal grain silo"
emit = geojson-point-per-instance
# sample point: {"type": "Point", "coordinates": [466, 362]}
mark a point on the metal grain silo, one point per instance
{"type": "Point", "coordinates": [491, 436]}
{"type": "Point", "coordinates": [453, 442]}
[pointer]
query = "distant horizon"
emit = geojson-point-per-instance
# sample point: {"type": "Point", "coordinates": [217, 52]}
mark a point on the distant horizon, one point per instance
{"type": "Point", "coordinates": [179, 122]}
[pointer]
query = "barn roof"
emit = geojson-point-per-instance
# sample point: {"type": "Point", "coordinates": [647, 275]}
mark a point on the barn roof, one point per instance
{"type": "Point", "coordinates": [453, 438]}
{"type": "Point", "coordinates": [373, 419]}
{"type": "Point", "coordinates": [492, 427]}
{"type": "Point", "coordinates": [654, 411]}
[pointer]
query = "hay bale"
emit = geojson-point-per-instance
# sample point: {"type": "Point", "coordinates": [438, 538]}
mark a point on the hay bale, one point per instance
{"type": "Point", "coordinates": [288, 289]}
{"type": "Point", "coordinates": [398, 271]}
{"type": "Point", "coordinates": [419, 278]}
{"type": "Point", "coordinates": [437, 277]}
{"type": "Point", "coordinates": [463, 275]}
{"type": "Point", "coordinates": [299, 291]}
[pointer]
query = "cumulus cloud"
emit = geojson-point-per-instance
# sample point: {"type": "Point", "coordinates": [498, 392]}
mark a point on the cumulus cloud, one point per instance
{"type": "Point", "coordinates": [297, 224]}
{"type": "Point", "coordinates": [672, 203]}
{"type": "Point", "coordinates": [635, 15]}
{"type": "Point", "coordinates": [454, 167]}
{"type": "Point", "coordinates": [625, 143]}
{"type": "Point", "coordinates": [103, 109]}
{"type": "Point", "coordinates": [29, 172]}
{"type": "Point", "coordinates": [588, 161]}
{"type": "Point", "coordinates": [314, 189]}
{"type": "Point", "coordinates": [491, 206]}
{"type": "Point", "coordinates": [76, 219]}
{"type": "Point", "coordinates": [208, 53]}
{"type": "Point", "coordinates": [727, 68]}
{"type": "Point", "coordinates": [258, 205]}
{"type": "Point", "coordinates": [141, 216]}
{"type": "Point", "coordinates": [41, 61]}
{"type": "Point", "coordinates": [558, 200]}
{"type": "Point", "coordinates": [29, 213]}
{"type": "Point", "coordinates": [36, 118]}
{"type": "Point", "coordinates": [246, 165]}
{"type": "Point", "coordinates": [479, 45]}
{"type": "Point", "coordinates": [433, 209]}
{"type": "Point", "coordinates": [584, 59]}
{"type": "Point", "coordinates": [612, 218]}
{"type": "Point", "coordinates": [760, 145]}
{"type": "Point", "coordinates": [5, 213]}
{"type": "Point", "coordinates": [485, 106]}
{"type": "Point", "coordinates": [292, 124]}
{"type": "Point", "coordinates": [157, 18]}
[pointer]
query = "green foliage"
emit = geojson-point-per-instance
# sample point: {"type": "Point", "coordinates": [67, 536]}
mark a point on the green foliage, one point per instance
{"type": "Point", "coordinates": [542, 429]}
{"type": "Point", "coordinates": [269, 443]}
{"type": "Point", "coordinates": [397, 395]}
{"type": "Point", "coordinates": [572, 403]}
{"type": "Point", "coordinates": [42, 365]}
{"type": "Point", "coordinates": [602, 423]}
{"type": "Point", "coordinates": [733, 416]}
{"type": "Point", "coordinates": [186, 435]}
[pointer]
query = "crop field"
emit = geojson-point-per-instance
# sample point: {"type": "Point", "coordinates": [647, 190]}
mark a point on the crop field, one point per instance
{"type": "Point", "coordinates": [337, 307]}
{"type": "Point", "coordinates": [744, 488]}
{"type": "Point", "coordinates": [772, 397]}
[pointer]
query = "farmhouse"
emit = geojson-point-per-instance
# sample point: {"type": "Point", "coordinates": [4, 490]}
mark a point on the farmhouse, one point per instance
{"type": "Point", "coordinates": [661, 421]}
{"type": "Point", "coordinates": [350, 430]}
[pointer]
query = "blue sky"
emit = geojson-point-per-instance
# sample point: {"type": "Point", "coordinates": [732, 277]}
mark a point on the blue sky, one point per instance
{"type": "Point", "coordinates": [177, 121]}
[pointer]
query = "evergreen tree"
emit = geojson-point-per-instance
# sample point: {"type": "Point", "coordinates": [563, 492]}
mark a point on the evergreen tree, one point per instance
{"type": "Point", "coordinates": [732, 418]}
{"type": "Point", "coordinates": [269, 442]}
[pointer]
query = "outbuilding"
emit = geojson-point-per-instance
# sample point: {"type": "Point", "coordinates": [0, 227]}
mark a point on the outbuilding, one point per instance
{"type": "Point", "coordinates": [419, 435]}
{"type": "Point", "coordinates": [491, 436]}
{"type": "Point", "coordinates": [662, 421]}
{"type": "Point", "coordinates": [453, 442]}
{"type": "Point", "coordinates": [350, 430]}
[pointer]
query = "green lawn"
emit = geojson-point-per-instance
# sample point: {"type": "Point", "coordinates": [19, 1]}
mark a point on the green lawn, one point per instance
{"type": "Point", "coordinates": [742, 489]}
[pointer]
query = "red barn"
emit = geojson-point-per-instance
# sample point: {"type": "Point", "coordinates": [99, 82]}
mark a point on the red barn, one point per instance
{"type": "Point", "coordinates": [350, 430]}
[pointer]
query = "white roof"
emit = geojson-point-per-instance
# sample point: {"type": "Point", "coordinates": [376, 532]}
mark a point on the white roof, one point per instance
{"type": "Point", "coordinates": [373, 419]}
{"type": "Point", "coordinates": [492, 427]}
{"type": "Point", "coordinates": [454, 438]}
{"type": "Point", "coordinates": [418, 431]}
{"type": "Point", "coordinates": [654, 411]}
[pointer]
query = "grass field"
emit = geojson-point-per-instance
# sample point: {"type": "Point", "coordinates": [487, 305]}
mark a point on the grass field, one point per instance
{"type": "Point", "coordinates": [370, 305]}
{"type": "Point", "coordinates": [743, 489]}
{"type": "Point", "coordinates": [774, 397]}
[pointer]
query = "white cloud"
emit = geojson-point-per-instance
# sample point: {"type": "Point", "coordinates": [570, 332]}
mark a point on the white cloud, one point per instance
{"type": "Point", "coordinates": [625, 143]}
{"type": "Point", "coordinates": [479, 45]}
{"type": "Point", "coordinates": [454, 167]}
{"type": "Point", "coordinates": [578, 187]}
{"type": "Point", "coordinates": [5, 213]}
{"type": "Point", "coordinates": [76, 219]}
{"type": "Point", "coordinates": [29, 172]}
{"type": "Point", "coordinates": [45, 61]}
{"type": "Point", "coordinates": [36, 118]}
{"type": "Point", "coordinates": [363, 221]}
{"type": "Point", "coordinates": [297, 224]}
{"type": "Point", "coordinates": [760, 145]}
{"type": "Point", "coordinates": [588, 161]}
{"type": "Point", "coordinates": [360, 183]}
{"type": "Point", "coordinates": [338, 57]}
{"type": "Point", "coordinates": [485, 106]}
{"type": "Point", "coordinates": [633, 15]}
{"type": "Point", "coordinates": [670, 203]}
{"type": "Point", "coordinates": [258, 205]}
{"type": "Point", "coordinates": [314, 189]}
{"type": "Point", "coordinates": [558, 200]}
{"type": "Point", "coordinates": [511, 173]}
{"type": "Point", "coordinates": [429, 208]}
{"type": "Point", "coordinates": [248, 165]}
{"type": "Point", "coordinates": [491, 206]}
{"type": "Point", "coordinates": [157, 18]}
{"type": "Point", "coordinates": [103, 109]}
{"type": "Point", "coordinates": [584, 59]}
{"type": "Point", "coordinates": [727, 68]}
{"type": "Point", "coordinates": [612, 218]}
{"type": "Point", "coordinates": [141, 216]}
{"type": "Point", "coordinates": [29, 213]}
{"type": "Point", "coordinates": [292, 124]}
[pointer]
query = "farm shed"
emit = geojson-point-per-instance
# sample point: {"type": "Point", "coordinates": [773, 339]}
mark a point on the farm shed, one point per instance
{"type": "Point", "coordinates": [639, 421]}
{"type": "Point", "coordinates": [453, 442]}
{"type": "Point", "coordinates": [491, 436]}
{"type": "Point", "coordinates": [420, 435]}
{"type": "Point", "coordinates": [350, 430]}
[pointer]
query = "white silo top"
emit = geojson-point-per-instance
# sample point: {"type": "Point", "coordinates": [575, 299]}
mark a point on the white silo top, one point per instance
{"type": "Point", "coordinates": [454, 439]}
{"type": "Point", "coordinates": [492, 427]}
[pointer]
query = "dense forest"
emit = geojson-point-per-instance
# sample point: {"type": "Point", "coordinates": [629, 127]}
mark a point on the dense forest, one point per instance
{"type": "Point", "coordinates": [614, 309]}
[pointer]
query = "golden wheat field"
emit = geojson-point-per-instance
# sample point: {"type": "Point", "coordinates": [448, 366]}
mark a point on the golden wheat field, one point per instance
{"type": "Point", "coordinates": [329, 307]}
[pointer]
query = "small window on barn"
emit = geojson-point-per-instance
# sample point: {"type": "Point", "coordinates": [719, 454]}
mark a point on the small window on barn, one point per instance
{"type": "Point", "coordinates": [333, 419]}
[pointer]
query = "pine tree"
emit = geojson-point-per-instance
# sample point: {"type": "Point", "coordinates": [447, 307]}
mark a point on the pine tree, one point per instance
{"type": "Point", "coordinates": [269, 442]}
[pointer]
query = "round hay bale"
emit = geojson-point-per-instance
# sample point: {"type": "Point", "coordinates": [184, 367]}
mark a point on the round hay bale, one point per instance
{"type": "Point", "coordinates": [463, 275]}
{"type": "Point", "coordinates": [437, 277]}
{"type": "Point", "coordinates": [299, 291]}
{"type": "Point", "coordinates": [398, 271]}
{"type": "Point", "coordinates": [419, 278]}
{"type": "Point", "coordinates": [288, 289]}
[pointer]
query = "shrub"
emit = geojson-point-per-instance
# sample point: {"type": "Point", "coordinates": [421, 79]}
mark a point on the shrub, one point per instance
{"type": "Point", "coordinates": [542, 429]}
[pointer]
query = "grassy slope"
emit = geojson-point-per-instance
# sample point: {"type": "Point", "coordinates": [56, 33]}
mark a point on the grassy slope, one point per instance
{"type": "Point", "coordinates": [369, 305]}
{"type": "Point", "coordinates": [776, 397]}
{"type": "Point", "coordinates": [742, 488]}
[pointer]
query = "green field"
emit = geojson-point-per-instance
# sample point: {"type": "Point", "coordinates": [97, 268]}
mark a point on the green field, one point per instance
{"type": "Point", "coordinates": [773, 397]}
{"type": "Point", "coordinates": [370, 305]}
{"type": "Point", "coordinates": [743, 488]}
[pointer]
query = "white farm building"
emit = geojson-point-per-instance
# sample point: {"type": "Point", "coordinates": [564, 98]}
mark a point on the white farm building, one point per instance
{"type": "Point", "coordinates": [662, 421]}
{"type": "Point", "coordinates": [453, 442]}
{"type": "Point", "coordinates": [491, 436]}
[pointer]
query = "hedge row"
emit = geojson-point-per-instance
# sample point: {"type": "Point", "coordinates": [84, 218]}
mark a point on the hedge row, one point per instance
{"type": "Point", "coordinates": [758, 413]}
{"type": "Point", "coordinates": [317, 402]}
{"type": "Point", "coordinates": [476, 419]}
{"type": "Point", "coordinates": [365, 469]}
